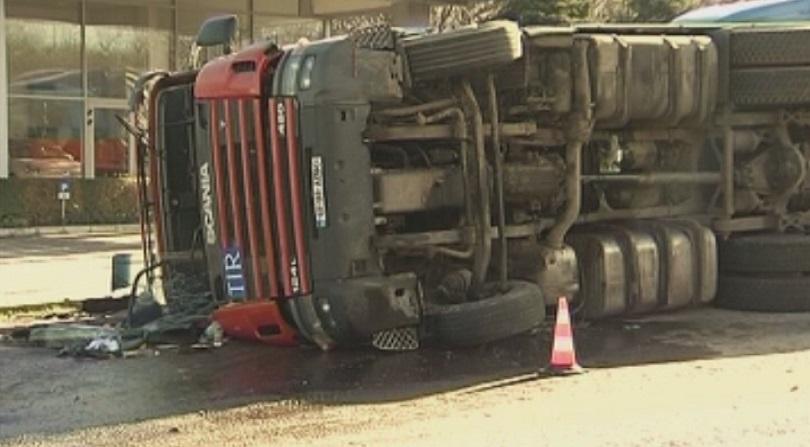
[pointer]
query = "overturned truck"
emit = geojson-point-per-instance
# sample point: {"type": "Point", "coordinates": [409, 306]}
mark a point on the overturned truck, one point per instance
{"type": "Point", "coordinates": [389, 187]}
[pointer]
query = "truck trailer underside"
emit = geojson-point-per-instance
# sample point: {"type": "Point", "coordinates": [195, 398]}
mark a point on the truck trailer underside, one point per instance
{"type": "Point", "coordinates": [390, 187]}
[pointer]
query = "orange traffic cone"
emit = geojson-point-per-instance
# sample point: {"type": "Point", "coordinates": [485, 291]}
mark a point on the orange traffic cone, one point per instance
{"type": "Point", "coordinates": [563, 354]}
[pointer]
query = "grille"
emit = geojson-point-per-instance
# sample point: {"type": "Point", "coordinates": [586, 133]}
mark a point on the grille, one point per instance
{"type": "Point", "coordinates": [762, 47]}
{"type": "Point", "coordinates": [773, 86]}
{"type": "Point", "coordinates": [400, 339]}
{"type": "Point", "coordinates": [258, 187]}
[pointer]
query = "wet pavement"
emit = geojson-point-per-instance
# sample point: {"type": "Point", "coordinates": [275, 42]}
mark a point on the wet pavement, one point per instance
{"type": "Point", "coordinates": [43, 394]}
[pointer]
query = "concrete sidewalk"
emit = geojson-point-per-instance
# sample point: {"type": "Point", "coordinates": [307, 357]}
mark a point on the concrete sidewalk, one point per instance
{"type": "Point", "coordinates": [51, 268]}
{"type": "Point", "coordinates": [70, 229]}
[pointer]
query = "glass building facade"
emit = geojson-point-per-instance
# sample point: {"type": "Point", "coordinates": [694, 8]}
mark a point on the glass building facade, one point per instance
{"type": "Point", "coordinates": [67, 68]}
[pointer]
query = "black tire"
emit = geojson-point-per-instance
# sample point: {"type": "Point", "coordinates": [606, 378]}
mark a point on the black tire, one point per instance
{"type": "Point", "coordinates": [519, 309]}
{"type": "Point", "coordinates": [464, 51]}
{"type": "Point", "coordinates": [764, 294]}
{"type": "Point", "coordinates": [758, 47]}
{"type": "Point", "coordinates": [773, 86]}
{"type": "Point", "coordinates": [765, 253]}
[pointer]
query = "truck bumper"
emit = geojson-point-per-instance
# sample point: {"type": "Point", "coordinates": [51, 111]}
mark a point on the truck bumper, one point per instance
{"type": "Point", "coordinates": [350, 311]}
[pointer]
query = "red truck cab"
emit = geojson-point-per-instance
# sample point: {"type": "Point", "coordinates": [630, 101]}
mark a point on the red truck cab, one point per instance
{"type": "Point", "coordinates": [281, 177]}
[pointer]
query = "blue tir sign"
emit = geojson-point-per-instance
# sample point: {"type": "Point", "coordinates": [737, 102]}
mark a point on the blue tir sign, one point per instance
{"type": "Point", "coordinates": [235, 286]}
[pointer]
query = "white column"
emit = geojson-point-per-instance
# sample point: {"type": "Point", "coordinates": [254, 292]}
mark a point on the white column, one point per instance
{"type": "Point", "coordinates": [4, 155]}
{"type": "Point", "coordinates": [89, 161]}
{"type": "Point", "coordinates": [88, 139]}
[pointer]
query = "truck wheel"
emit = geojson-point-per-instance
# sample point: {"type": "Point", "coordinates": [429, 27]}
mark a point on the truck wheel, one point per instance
{"type": "Point", "coordinates": [503, 314]}
{"type": "Point", "coordinates": [765, 253]}
{"type": "Point", "coordinates": [466, 50]}
{"type": "Point", "coordinates": [788, 293]}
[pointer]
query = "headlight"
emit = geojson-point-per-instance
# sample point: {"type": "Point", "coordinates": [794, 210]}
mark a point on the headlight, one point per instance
{"type": "Point", "coordinates": [305, 81]}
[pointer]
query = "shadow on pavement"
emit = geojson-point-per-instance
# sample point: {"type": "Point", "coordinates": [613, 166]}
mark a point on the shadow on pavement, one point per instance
{"type": "Point", "coordinates": [40, 393]}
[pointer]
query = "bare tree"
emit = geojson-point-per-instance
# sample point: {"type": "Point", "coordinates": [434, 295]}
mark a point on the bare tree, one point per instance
{"type": "Point", "coordinates": [347, 24]}
{"type": "Point", "coordinates": [453, 16]}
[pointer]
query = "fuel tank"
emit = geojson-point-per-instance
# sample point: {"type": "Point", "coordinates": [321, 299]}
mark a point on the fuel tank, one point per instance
{"type": "Point", "coordinates": [644, 266]}
{"type": "Point", "coordinates": [663, 81]}
{"type": "Point", "coordinates": [637, 80]}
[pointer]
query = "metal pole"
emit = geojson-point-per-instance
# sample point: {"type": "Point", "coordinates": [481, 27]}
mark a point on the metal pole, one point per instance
{"type": "Point", "coordinates": [578, 132]}
{"type": "Point", "coordinates": [497, 156]}
{"type": "Point", "coordinates": [88, 141]}
{"type": "Point", "coordinates": [483, 217]}
{"type": "Point", "coordinates": [656, 178]}
{"type": "Point", "coordinates": [573, 188]}
{"type": "Point", "coordinates": [420, 108]}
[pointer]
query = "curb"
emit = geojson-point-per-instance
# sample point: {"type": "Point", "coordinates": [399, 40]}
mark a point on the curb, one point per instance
{"type": "Point", "coordinates": [70, 230]}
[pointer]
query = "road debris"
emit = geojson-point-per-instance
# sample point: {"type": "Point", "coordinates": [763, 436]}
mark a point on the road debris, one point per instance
{"type": "Point", "coordinates": [186, 321]}
{"type": "Point", "coordinates": [62, 335]}
{"type": "Point", "coordinates": [100, 348]}
{"type": "Point", "coordinates": [212, 337]}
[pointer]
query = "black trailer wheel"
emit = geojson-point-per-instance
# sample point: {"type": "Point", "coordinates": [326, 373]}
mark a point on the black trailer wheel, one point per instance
{"type": "Point", "coordinates": [463, 51]}
{"type": "Point", "coordinates": [503, 314]}
{"type": "Point", "coordinates": [788, 293]}
{"type": "Point", "coordinates": [765, 253]}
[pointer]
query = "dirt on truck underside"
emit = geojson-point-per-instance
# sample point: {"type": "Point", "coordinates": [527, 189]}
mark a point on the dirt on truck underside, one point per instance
{"type": "Point", "coordinates": [401, 189]}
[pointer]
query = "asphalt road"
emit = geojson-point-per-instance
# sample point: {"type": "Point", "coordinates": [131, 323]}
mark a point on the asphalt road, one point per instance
{"type": "Point", "coordinates": [54, 268]}
{"type": "Point", "coordinates": [694, 378]}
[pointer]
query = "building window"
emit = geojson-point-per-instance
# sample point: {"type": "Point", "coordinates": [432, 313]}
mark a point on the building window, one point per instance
{"type": "Point", "coordinates": [44, 47]}
{"type": "Point", "coordinates": [45, 88]}
{"type": "Point", "coordinates": [45, 137]}
{"type": "Point", "coordinates": [122, 42]}
{"type": "Point", "coordinates": [110, 143]}
{"type": "Point", "coordinates": [71, 65]}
